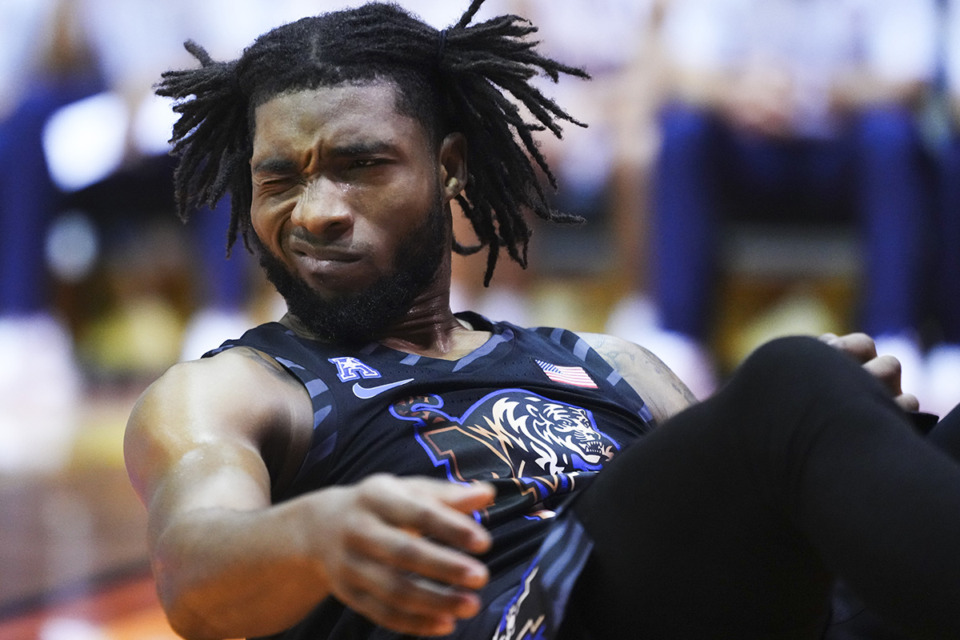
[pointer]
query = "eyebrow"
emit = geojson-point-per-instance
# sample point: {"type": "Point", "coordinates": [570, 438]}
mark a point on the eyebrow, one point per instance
{"type": "Point", "coordinates": [283, 165]}
{"type": "Point", "coordinates": [275, 165]}
{"type": "Point", "coordinates": [361, 149]}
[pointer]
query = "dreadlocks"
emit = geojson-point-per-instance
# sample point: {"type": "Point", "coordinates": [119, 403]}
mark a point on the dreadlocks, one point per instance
{"type": "Point", "coordinates": [450, 80]}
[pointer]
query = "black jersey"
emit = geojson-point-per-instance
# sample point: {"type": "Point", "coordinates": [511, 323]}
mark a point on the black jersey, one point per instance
{"type": "Point", "coordinates": [536, 412]}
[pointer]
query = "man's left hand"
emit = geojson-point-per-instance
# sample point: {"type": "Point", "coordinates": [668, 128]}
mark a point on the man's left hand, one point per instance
{"type": "Point", "coordinates": [884, 368]}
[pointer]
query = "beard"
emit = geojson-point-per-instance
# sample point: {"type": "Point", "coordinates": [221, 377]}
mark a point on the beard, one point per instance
{"type": "Point", "coordinates": [359, 317]}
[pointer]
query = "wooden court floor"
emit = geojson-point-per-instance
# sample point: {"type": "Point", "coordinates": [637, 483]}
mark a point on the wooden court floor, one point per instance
{"type": "Point", "coordinates": [73, 562]}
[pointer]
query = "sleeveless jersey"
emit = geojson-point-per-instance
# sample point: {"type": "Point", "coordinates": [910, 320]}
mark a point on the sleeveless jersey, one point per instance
{"type": "Point", "coordinates": [536, 412]}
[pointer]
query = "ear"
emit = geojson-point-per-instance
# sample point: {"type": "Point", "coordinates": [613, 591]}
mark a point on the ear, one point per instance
{"type": "Point", "coordinates": [453, 165]}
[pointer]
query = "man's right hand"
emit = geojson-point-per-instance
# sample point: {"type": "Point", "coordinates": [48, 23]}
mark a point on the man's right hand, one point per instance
{"type": "Point", "coordinates": [398, 550]}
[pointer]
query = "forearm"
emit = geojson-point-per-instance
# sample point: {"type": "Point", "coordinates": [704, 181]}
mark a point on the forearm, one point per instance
{"type": "Point", "coordinates": [223, 573]}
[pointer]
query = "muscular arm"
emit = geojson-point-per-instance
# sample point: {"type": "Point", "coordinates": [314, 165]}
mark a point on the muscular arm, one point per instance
{"type": "Point", "coordinates": [196, 449]}
{"type": "Point", "coordinates": [663, 392]}
{"type": "Point", "coordinates": [205, 446]}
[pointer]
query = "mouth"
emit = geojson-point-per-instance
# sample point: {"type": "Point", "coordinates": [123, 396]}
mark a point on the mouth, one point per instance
{"type": "Point", "coordinates": [327, 265]}
{"type": "Point", "coordinates": [321, 254]}
{"type": "Point", "coordinates": [591, 448]}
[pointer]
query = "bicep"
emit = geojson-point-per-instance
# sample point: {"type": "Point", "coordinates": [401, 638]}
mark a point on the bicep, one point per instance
{"type": "Point", "coordinates": [195, 438]}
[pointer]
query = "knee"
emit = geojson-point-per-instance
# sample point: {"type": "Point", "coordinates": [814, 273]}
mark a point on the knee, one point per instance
{"type": "Point", "coordinates": [786, 393]}
{"type": "Point", "coordinates": [797, 366]}
{"type": "Point", "coordinates": [791, 352]}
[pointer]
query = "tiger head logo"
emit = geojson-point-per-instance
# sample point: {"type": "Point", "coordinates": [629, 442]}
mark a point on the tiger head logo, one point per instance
{"type": "Point", "coordinates": [562, 437]}
{"type": "Point", "coordinates": [527, 433]}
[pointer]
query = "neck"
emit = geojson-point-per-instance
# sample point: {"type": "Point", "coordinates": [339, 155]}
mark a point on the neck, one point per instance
{"type": "Point", "coordinates": [430, 329]}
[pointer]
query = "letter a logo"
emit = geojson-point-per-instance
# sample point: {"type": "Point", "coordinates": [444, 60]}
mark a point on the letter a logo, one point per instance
{"type": "Point", "coordinates": [349, 368]}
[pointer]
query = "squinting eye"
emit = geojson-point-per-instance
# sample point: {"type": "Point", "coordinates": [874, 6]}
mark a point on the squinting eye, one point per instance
{"type": "Point", "coordinates": [275, 186]}
{"type": "Point", "coordinates": [365, 163]}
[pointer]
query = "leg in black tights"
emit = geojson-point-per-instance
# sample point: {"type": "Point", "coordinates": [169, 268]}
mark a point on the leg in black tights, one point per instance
{"type": "Point", "coordinates": [946, 434]}
{"type": "Point", "coordinates": [733, 518]}
{"type": "Point", "coordinates": [851, 619]}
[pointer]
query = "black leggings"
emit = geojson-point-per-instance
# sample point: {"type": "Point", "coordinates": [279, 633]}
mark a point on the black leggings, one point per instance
{"type": "Point", "coordinates": [733, 519]}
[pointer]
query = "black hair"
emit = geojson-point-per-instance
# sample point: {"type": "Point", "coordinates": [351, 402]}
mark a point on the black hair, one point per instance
{"type": "Point", "coordinates": [455, 79]}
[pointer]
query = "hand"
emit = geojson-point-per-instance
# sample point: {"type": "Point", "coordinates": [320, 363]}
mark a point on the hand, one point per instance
{"type": "Point", "coordinates": [884, 368]}
{"type": "Point", "coordinates": [396, 551]}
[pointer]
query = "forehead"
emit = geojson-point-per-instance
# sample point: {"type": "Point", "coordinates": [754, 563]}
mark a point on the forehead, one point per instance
{"type": "Point", "coordinates": [365, 112]}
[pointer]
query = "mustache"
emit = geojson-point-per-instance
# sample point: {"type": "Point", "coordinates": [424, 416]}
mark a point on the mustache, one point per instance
{"type": "Point", "coordinates": [303, 236]}
{"type": "Point", "coordinates": [303, 239]}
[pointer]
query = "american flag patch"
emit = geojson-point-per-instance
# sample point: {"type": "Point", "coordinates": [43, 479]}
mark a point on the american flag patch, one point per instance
{"type": "Point", "coordinates": [575, 376]}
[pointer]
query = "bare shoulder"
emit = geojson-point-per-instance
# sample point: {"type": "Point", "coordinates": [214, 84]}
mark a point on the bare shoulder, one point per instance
{"type": "Point", "coordinates": [663, 392]}
{"type": "Point", "coordinates": [237, 404]}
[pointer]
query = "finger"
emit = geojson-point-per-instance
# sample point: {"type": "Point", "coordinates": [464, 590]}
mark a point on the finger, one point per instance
{"type": "Point", "coordinates": [467, 498]}
{"type": "Point", "coordinates": [463, 497]}
{"type": "Point", "coordinates": [859, 345]}
{"type": "Point", "coordinates": [408, 592]}
{"type": "Point", "coordinates": [404, 622]}
{"type": "Point", "coordinates": [436, 509]}
{"type": "Point", "coordinates": [403, 602]}
{"type": "Point", "coordinates": [908, 402]}
{"type": "Point", "coordinates": [406, 551]}
{"type": "Point", "coordinates": [887, 370]}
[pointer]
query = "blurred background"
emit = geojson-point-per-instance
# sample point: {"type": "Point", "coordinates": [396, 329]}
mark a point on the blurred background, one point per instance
{"type": "Point", "coordinates": [752, 168]}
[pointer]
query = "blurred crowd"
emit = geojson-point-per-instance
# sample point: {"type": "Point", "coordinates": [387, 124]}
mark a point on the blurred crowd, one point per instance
{"type": "Point", "coordinates": [703, 114]}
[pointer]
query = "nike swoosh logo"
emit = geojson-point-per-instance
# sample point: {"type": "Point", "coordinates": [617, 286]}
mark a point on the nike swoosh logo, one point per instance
{"type": "Point", "coordinates": [365, 393]}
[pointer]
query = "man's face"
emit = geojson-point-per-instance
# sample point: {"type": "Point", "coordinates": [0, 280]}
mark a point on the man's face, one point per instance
{"type": "Point", "coordinates": [348, 207]}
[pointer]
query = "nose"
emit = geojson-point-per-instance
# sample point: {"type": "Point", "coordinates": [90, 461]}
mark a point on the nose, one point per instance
{"type": "Point", "coordinates": [323, 210]}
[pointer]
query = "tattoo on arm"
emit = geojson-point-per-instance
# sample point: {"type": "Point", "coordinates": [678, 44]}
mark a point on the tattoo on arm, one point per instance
{"type": "Point", "coordinates": [664, 371]}
{"type": "Point", "coordinates": [640, 367]}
